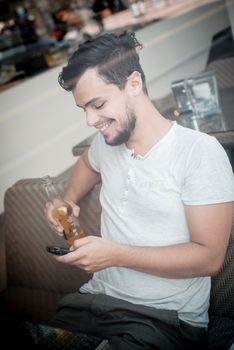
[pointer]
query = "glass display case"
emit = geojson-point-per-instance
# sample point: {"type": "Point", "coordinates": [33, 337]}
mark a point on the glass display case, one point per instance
{"type": "Point", "coordinates": [197, 94]}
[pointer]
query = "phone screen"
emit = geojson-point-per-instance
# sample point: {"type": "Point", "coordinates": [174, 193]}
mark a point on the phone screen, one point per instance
{"type": "Point", "coordinates": [58, 250]}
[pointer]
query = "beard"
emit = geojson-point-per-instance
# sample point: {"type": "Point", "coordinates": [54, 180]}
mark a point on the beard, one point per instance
{"type": "Point", "coordinates": [124, 134]}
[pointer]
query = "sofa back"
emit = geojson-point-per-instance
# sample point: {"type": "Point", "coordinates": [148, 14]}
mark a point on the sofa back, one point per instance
{"type": "Point", "coordinates": [27, 234]}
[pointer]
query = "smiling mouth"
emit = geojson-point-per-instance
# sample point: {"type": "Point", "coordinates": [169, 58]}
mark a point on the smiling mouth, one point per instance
{"type": "Point", "coordinates": [104, 126]}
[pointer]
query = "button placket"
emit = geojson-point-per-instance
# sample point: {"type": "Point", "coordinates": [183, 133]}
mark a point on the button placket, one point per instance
{"type": "Point", "coordinates": [126, 190]}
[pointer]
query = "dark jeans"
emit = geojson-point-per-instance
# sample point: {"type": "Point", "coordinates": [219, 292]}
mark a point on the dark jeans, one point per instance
{"type": "Point", "coordinates": [127, 326]}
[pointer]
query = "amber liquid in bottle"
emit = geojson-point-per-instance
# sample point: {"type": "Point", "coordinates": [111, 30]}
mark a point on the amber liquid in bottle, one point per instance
{"type": "Point", "coordinates": [71, 228]}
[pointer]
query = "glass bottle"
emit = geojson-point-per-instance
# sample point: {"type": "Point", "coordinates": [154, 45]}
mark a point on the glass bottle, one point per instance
{"type": "Point", "coordinates": [63, 214]}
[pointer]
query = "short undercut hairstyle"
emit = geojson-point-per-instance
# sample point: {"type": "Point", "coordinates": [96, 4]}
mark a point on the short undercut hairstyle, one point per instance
{"type": "Point", "coordinates": [114, 56]}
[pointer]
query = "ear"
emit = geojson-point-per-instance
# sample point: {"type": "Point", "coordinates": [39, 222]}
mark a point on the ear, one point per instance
{"type": "Point", "coordinates": [134, 83]}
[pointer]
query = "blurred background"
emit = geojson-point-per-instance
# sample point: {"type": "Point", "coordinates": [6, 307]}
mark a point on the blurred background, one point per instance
{"type": "Point", "coordinates": [39, 124]}
{"type": "Point", "coordinates": [37, 35]}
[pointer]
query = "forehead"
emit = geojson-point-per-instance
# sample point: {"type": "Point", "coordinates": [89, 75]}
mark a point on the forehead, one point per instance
{"type": "Point", "coordinates": [91, 85]}
{"type": "Point", "coordinates": [89, 81]}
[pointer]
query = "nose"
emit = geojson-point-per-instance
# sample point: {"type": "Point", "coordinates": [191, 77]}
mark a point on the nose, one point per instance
{"type": "Point", "coordinates": [91, 118]}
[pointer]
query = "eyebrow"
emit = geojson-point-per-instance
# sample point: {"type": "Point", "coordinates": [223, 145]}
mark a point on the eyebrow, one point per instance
{"type": "Point", "coordinates": [89, 102]}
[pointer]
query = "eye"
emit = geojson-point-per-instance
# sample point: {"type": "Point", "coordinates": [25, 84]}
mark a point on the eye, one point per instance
{"type": "Point", "coordinates": [99, 105]}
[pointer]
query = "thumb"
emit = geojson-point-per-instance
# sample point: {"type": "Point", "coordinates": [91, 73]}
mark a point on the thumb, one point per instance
{"type": "Point", "coordinates": [73, 207]}
{"type": "Point", "coordinates": [75, 210]}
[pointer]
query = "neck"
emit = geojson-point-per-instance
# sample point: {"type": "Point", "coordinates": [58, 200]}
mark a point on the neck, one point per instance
{"type": "Point", "coordinates": [150, 128]}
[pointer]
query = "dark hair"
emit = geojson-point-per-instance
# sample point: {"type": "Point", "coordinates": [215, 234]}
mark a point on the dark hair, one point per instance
{"type": "Point", "coordinates": [114, 56]}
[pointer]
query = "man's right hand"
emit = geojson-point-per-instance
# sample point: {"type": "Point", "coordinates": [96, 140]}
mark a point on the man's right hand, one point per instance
{"type": "Point", "coordinates": [50, 209]}
{"type": "Point", "coordinates": [59, 208]}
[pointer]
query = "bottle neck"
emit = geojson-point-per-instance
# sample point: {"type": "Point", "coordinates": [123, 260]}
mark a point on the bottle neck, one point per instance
{"type": "Point", "coordinates": [49, 187]}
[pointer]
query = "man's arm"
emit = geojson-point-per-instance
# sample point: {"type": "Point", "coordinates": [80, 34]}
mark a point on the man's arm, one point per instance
{"type": "Point", "coordinates": [83, 178]}
{"type": "Point", "coordinates": [209, 226]}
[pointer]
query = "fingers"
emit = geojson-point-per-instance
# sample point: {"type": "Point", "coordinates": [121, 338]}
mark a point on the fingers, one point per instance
{"type": "Point", "coordinates": [48, 212]}
{"type": "Point", "coordinates": [75, 208]}
{"type": "Point", "coordinates": [75, 249]}
{"type": "Point", "coordinates": [78, 243]}
{"type": "Point", "coordinates": [53, 223]}
{"type": "Point", "coordinates": [89, 254]}
{"type": "Point", "coordinates": [71, 258]}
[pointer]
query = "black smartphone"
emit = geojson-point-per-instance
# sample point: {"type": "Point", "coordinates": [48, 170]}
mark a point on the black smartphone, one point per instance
{"type": "Point", "coordinates": [57, 250]}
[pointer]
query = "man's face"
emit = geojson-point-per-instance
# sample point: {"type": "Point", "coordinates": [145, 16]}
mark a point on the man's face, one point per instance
{"type": "Point", "coordinates": [107, 108]}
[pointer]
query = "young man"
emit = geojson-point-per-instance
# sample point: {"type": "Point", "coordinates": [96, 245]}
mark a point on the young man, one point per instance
{"type": "Point", "coordinates": [167, 208]}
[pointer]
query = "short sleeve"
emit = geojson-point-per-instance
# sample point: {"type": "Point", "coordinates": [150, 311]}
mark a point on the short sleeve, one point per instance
{"type": "Point", "coordinates": [208, 177]}
{"type": "Point", "coordinates": [94, 151]}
